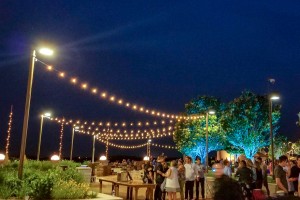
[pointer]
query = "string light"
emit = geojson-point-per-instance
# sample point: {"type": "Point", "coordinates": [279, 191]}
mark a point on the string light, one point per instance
{"type": "Point", "coordinates": [135, 146]}
{"type": "Point", "coordinates": [113, 98]}
{"type": "Point", "coordinates": [8, 132]}
{"type": "Point", "coordinates": [130, 136]}
{"type": "Point", "coordinates": [61, 139]}
{"type": "Point", "coordinates": [115, 124]}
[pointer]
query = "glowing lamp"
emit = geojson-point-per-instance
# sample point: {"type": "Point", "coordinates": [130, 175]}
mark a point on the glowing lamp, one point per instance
{"type": "Point", "coordinates": [274, 97]}
{"type": "Point", "coordinates": [102, 158]}
{"type": "Point", "coordinates": [146, 158]}
{"type": "Point", "coordinates": [46, 51]}
{"type": "Point", "coordinates": [211, 112]}
{"type": "Point", "coordinates": [2, 157]}
{"type": "Point", "coordinates": [55, 158]}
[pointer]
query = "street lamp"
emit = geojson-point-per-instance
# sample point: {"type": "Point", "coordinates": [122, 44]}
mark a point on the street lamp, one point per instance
{"type": "Point", "coordinates": [75, 128]}
{"type": "Point", "coordinates": [272, 97]}
{"type": "Point", "coordinates": [27, 108]}
{"type": "Point", "coordinates": [46, 115]}
{"type": "Point", "coordinates": [209, 112]}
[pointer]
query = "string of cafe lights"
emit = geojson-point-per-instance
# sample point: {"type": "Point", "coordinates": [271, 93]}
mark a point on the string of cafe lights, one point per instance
{"type": "Point", "coordinates": [61, 139]}
{"type": "Point", "coordinates": [9, 131]}
{"type": "Point", "coordinates": [112, 98]}
{"type": "Point", "coordinates": [114, 136]}
{"type": "Point", "coordinates": [124, 132]}
{"type": "Point", "coordinates": [113, 124]}
{"type": "Point", "coordinates": [135, 146]}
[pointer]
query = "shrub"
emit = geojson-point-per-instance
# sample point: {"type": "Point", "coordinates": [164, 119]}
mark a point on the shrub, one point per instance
{"type": "Point", "coordinates": [39, 184]}
{"type": "Point", "coordinates": [75, 190]}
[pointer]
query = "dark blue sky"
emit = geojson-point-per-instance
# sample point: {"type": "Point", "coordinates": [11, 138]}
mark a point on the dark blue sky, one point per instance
{"type": "Point", "coordinates": [159, 54]}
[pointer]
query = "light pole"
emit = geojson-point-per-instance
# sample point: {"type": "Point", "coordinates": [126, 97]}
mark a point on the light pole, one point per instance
{"type": "Point", "coordinates": [75, 128]}
{"type": "Point", "coordinates": [47, 115]}
{"type": "Point", "coordinates": [209, 112]}
{"type": "Point", "coordinates": [93, 152]}
{"type": "Point", "coordinates": [271, 98]}
{"type": "Point", "coordinates": [148, 147]}
{"type": "Point", "coordinates": [27, 108]}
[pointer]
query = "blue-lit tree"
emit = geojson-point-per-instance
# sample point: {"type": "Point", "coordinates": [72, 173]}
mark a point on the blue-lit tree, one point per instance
{"type": "Point", "coordinates": [281, 146]}
{"type": "Point", "coordinates": [246, 122]}
{"type": "Point", "coordinates": [190, 135]}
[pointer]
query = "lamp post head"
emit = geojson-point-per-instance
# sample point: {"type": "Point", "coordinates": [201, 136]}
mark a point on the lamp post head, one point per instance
{"type": "Point", "coordinates": [211, 112]}
{"type": "Point", "coordinates": [274, 96]}
{"type": "Point", "coordinates": [76, 128]}
{"type": "Point", "coordinates": [47, 115]}
{"type": "Point", "coordinates": [46, 51]}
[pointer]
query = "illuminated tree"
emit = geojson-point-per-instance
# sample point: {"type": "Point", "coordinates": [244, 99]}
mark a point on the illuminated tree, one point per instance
{"type": "Point", "coordinates": [246, 122]}
{"type": "Point", "coordinates": [190, 135]}
{"type": "Point", "coordinates": [281, 146]}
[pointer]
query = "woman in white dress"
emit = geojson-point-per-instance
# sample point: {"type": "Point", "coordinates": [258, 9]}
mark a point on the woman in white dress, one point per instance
{"type": "Point", "coordinates": [172, 183]}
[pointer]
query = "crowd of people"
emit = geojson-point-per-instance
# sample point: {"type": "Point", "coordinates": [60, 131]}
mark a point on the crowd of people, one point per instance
{"type": "Point", "coordinates": [185, 176]}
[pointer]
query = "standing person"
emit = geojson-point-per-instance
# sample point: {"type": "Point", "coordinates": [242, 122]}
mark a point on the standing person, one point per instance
{"type": "Point", "coordinates": [245, 179]}
{"type": "Point", "coordinates": [227, 168]}
{"type": "Point", "coordinates": [190, 170]}
{"type": "Point", "coordinates": [225, 188]}
{"type": "Point", "coordinates": [200, 169]}
{"type": "Point", "coordinates": [181, 178]}
{"type": "Point", "coordinates": [259, 175]}
{"type": "Point", "coordinates": [280, 174]}
{"type": "Point", "coordinates": [159, 178]}
{"type": "Point", "coordinates": [264, 168]}
{"type": "Point", "coordinates": [172, 184]}
{"type": "Point", "coordinates": [148, 177]}
{"type": "Point", "coordinates": [295, 171]}
{"type": "Point", "coordinates": [165, 169]}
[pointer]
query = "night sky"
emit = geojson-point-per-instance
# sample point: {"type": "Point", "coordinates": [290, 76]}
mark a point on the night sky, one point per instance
{"type": "Point", "coordinates": [159, 54]}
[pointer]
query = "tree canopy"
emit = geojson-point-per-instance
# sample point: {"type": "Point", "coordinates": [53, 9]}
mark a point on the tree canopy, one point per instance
{"type": "Point", "coordinates": [240, 125]}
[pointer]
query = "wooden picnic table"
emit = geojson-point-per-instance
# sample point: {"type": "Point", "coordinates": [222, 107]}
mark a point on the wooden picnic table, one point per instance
{"type": "Point", "coordinates": [134, 184]}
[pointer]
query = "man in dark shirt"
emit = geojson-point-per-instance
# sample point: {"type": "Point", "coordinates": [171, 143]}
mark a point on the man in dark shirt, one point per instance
{"type": "Point", "coordinates": [280, 174]}
{"type": "Point", "coordinates": [295, 173]}
{"type": "Point", "coordinates": [159, 178]}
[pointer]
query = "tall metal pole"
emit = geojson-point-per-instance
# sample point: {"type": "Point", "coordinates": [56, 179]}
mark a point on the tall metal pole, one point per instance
{"type": "Point", "coordinates": [206, 135]}
{"type": "Point", "coordinates": [93, 152]}
{"type": "Point", "coordinates": [72, 142]}
{"type": "Point", "coordinates": [271, 137]}
{"type": "Point", "coordinates": [106, 150]}
{"type": "Point", "coordinates": [26, 115]}
{"type": "Point", "coordinates": [40, 138]}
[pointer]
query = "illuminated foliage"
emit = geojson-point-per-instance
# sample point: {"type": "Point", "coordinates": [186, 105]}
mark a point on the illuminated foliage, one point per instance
{"type": "Point", "coordinates": [281, 146]}
{"type": "Point", "coordinates": [246, 122]}
{"type": "Point", "coordinates": [190, 135]}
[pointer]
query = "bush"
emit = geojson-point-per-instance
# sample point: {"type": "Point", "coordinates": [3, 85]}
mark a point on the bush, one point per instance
{"type": "Point", "coordinates": [75, 190]}
{"type": "Point", "coordinates": [43, 180]}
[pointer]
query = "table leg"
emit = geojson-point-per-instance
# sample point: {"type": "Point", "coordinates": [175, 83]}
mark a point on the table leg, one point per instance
{"type": "Point", "coordinates": [117, 190]}
{"type": "Point", "coordinates": [100, 186]}
{"type": "Point", "coordinates": [136, 189]}
{"type": "Point", "coordinates": [150, 189]}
